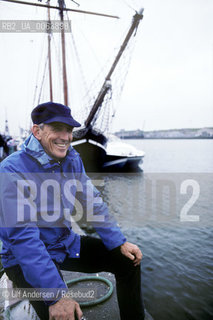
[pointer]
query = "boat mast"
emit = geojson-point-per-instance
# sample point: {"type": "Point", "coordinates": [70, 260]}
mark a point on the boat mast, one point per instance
{"type": "Point", "coordinates": [58, 8]}
{"type": "Point", "coordinates": [49, 55]}
{"type": "Point", "coordinates": [61, 9]}
{"type": "Point", "coordinates": [106, 85]}
{"type": "Point", "coordinates": [65, 86]}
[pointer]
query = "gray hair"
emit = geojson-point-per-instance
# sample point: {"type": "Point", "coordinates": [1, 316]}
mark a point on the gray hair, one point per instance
{"type": "Point", "coordinates": [41, 126]}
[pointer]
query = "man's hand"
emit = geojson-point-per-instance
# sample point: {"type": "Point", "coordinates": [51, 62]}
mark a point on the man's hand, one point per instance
{"type": "Point", "coordinates": [132, 252]}
{"type": "Point", "coordinates": [65, 309]}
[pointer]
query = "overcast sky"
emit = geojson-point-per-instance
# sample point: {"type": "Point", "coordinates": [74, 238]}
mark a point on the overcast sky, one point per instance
{"type": "Point", "coordinates": [170, 79]}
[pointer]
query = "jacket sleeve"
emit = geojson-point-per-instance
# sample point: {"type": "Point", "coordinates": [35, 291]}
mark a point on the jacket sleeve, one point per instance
{"type": "Point", "coordinates": [23, 240]}
{"type": "Point", "coordinates": [97, 212]}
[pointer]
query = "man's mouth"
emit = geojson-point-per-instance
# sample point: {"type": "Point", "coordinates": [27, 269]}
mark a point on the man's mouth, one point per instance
{"type": "Point", "coordinates": [62, 145]}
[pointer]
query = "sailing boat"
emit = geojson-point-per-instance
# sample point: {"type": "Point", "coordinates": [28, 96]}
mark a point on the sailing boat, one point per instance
{"type": "Point", "coordinates": [99, 150]}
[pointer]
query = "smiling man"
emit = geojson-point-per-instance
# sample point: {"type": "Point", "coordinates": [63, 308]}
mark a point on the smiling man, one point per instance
{"type": "Point", "coordinates": [54, 137]}
{"type": "Point", "coordinates": [35, 249]}
{"type": "Point", "coordinates": [53, 125]}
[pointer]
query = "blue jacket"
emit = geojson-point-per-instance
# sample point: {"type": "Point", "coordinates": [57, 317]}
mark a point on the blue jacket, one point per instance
{"type": "Point", "coordinates": [38, 196]}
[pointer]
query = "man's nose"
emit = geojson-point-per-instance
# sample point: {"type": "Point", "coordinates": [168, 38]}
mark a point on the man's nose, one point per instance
{"type": "Point", "coordinates": [65, 135]}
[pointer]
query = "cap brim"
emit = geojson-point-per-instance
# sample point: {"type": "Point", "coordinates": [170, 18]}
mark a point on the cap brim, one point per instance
{"type": "Point", "coordinates": [69, 121]}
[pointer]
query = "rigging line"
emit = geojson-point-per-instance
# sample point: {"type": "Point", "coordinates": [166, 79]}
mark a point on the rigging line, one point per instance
{"type": "Point", "coordinates": [76, 3]}
{"type": "Point", "coordinates": [59, 68]}
{"type": "Point", "coordinates": [34, 96]}
{"type": "Point", "coordinates": [38, 71]}
{"type": "Point", "coordinates": [128, 5]}
{"type": "Point", "coordinates": [107, 103]}
{"type": "Point", "coordinates": [42, 83]}
{"type": "Point", "coordinates": [118, 82]}
{"type": "Point", "coordinates": [99, 78]}
{"type": "Point", "coordinates": [103, 67]}
{"type": "Point", "coordinates": [108, 108]}
{"type": "Point", "coordinates": [89, 46]}
{"type": "Point", "coordinates": [64, 9]}
{"type": "Point", "coordinates": [57, 71]}
{"type": "Point", "coordinates": [56, 67]}
{"type": "Point", "coordinates": [100, 116]}
{"type": "Point", "coordinates": [57, 53]}
{"type": "Point", "coordinates": [77, 55]}
{"type": "Point", "coordinates": [104, 125]}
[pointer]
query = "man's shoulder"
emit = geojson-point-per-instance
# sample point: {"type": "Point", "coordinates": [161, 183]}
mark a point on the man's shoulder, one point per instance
{"type": "Point", "coordinates": [73, 154]}
{"type": "Point", "coordinates": [74, 157]}
{"type": "Point", "coordinates": [14, 162]}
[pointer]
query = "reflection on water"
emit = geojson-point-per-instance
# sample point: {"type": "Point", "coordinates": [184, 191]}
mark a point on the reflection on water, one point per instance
{"type": "Point", "coordinates": [169, 215]}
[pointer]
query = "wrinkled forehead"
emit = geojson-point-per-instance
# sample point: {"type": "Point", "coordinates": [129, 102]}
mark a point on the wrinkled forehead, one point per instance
{"type": "Point", "coordinates": [59, 126]}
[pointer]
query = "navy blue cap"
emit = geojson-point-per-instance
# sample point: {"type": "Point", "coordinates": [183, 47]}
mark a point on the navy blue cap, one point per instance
{"type": "Point", "coordinates": [49, 112]}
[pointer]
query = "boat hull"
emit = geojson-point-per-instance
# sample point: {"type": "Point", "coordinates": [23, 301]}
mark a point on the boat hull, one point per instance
{"type": "Point", "coordinates": [96, 159]}
{"type": "Point", "coordinates": [92, 153]}
{"type": "Point", "coordinates": [122, 163]}
{"type": "Point", "coordinates": [91, 146]}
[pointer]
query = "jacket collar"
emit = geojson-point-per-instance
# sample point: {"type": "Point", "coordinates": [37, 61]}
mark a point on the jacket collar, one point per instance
{"type": "Point", "coordinates": [33, 147]}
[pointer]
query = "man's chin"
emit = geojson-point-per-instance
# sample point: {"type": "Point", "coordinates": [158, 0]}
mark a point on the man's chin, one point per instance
{"type": "Point", "coordinates": [59, 155]}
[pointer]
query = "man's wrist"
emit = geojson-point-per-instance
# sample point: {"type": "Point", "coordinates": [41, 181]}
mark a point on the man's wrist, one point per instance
{"type": "Point", "coordinates": [59, 295]}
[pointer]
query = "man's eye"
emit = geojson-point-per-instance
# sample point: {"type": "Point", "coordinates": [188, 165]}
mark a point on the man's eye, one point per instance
{"type": "Point", "coordinates": [56, 129]}
{"type": "Point", "coordinates": [61, 128]}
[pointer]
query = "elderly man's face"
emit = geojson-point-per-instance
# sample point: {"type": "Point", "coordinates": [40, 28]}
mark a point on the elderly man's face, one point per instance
{"type": "Point", "coordinates": [55, 139]}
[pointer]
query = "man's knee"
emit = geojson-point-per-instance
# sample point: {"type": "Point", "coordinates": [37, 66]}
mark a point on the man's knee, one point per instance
{"type": "Point", "coordinates": [123, 265]}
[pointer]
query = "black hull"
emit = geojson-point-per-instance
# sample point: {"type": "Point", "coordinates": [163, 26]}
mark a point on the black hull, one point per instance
{"type": "Point", "coordinates": [91, 147]}
{"type": "Point", "coordinates": [92, 154]}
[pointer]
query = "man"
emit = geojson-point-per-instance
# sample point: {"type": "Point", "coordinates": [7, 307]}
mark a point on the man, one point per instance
{"type": "Point", "coordinates": [4, 150]}
{"type": "Point", "coordinates": [40, 187]}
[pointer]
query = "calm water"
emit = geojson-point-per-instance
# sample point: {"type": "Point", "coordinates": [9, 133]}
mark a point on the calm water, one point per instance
{"type": "Point", "coordinates": [152, 208]}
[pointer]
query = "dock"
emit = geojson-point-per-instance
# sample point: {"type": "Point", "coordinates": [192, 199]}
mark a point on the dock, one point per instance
{"type": "Point", "coordinates": [107, 310]}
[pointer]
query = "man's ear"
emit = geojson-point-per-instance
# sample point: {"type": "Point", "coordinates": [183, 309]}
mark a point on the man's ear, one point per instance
{"type": "Point", "coordinates": [36, 131]}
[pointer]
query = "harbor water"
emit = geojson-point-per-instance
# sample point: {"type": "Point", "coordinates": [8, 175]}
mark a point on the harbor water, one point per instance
{"type": "Point", "coordinates": [167, 211]}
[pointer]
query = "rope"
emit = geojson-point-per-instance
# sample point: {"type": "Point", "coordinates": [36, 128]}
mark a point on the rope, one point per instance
{"type": "Point", "coordinates": [89, 278]}
{"type": "Point", "coordinates": [43, 78]}
{"type": "Point", "coordinates": [94, 278]}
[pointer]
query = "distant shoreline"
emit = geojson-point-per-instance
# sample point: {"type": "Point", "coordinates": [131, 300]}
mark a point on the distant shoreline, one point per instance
{"type": "Point", "coordinates": [166, 138]}
{"type": "Point", "coordinates": [185, 133]}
